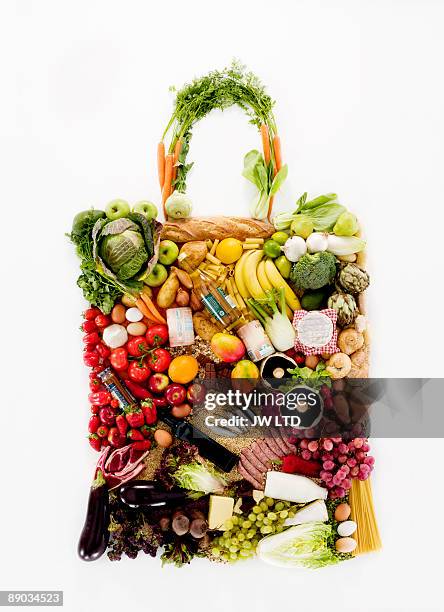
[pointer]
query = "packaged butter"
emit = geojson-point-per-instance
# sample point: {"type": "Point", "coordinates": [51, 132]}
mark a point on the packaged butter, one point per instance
{"type": "Point", "coordinates": [180, 326]}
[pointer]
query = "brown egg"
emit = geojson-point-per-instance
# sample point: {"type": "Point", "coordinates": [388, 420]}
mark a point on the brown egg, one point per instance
{"type": "Point", "coordinates": [342, 512]}
{"type": "Point", "coordinates": [182, 411]}
{"type": "Point", "coordinates": [136, 329]}
{"type": "Point", "coordinates": [118, 313]}
{"type": "Point", "coordinates": [346, 545]}
{"type": "Point", "coordinates": [163, 438]}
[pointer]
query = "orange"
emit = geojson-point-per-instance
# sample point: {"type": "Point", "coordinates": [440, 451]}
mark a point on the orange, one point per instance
{"type": "Point", "coordinates": [183, 369]}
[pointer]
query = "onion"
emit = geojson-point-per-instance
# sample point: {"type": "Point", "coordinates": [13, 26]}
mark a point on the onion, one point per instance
{"type": "Point", "coordinates": [317, 242]}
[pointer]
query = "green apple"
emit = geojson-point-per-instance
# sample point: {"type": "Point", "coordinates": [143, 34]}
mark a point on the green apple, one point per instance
{"type": "Point", "coordinates": [283, 265]}
{"type": "Point", "coordinates": [157, 276]}
{"type": "Point", "coordinates": [117, 209]}
{"type": "Point", "coordinates": [168, 252]}
{"type": "Point", "coordinates": [146, 208]}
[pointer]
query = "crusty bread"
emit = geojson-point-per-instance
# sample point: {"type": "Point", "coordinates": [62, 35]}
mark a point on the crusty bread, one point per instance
{"type": "Point", "coordinates": [203, 228]}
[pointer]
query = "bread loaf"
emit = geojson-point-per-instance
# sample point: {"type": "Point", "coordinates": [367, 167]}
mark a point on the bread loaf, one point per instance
{"type": "Point", "coordinates": [203, 228]}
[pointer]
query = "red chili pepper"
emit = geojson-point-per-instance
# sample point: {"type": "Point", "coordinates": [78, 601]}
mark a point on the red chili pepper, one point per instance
{"type": "Point", "coordinates": [93, 424]}
{"type": "Point", "coordinates": [292, 464]}
{"type": "Point", "coordinates": [99, 398]}
{"type": "Point", "coordinates": [91, 359]}
{"type": "Point", "coordinates": [91, 338]}
{"type": "Point", "coordinates": [138, 391]}
{"type": "Point", "coordinates": [89, 326]}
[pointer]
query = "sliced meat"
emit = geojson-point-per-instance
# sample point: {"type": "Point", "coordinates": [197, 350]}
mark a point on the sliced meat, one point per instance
{"type": "Point", "coordinates": [268, 452]}
{"type": "Point", "coordinates": [252, 469]}
{"type": "Point", "coordinates": [243, 472]}
{"type": "Point", "coordinates": [279, 441]}
{"type": "Point", "coordinates": [254, 459]}
{"type": "Point", "coordinates": [120, 465]}
{"type": "Point", "coordinates": [271, 443]}
{"type": "Point", "coordinates": [259, 453]}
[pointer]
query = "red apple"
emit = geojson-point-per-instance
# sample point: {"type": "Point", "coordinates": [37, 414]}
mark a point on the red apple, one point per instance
{"type": "Point", "coordinates": [195, 393]}
{"type": "Point", "coordinates": [157, 383]}
{"type": "Point", "coordinates": [160, 402]}
{"type": "Point", "coordinates": [175, 394]}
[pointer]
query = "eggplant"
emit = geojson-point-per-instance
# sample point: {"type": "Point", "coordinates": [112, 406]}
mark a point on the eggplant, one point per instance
{"type": "Point", "coordinates": [95, 535]}
{"type": "Point", "coordinates": [148, 494]}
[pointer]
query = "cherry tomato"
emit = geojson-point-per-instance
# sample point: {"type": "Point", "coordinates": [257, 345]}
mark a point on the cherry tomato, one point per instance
{"type": "Point", "coordinates": [91, 313]}
{"type": "Point", "coordinates": [138, 372]}
{"type": "Point", "coordinates": [102, 320]}
{"type": "Point", "coordinates": [157, 335]}
{"type": "Point", "coordinates": [95, 385]}
{"type": "Point", "coordinates": [137, 346]}
{"type": "Point", "coordinates": [159, 360]}
{"type": "Point", "coordinates": [119, 358]}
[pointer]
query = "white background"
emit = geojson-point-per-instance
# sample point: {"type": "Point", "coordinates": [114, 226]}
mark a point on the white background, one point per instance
{"type": "Point", "coordinates": [85, 97]}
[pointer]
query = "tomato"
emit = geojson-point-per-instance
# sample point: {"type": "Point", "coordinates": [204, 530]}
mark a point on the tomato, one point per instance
{"type": "Point", "coordinates": [138, 372]}
{"type": "Point", "coordinates": [159, 360]}
{"type": "Point", "coordinates": [137, 346]}
{"type": "Point", "coordinates": [102, 320]}
{"type": "Point", "coordinates": [157, 335]}
{"type": "Point", "coordinates": [119, 359]}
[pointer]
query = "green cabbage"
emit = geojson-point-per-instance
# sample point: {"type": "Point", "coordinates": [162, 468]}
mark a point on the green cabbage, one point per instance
{"type": "Point", "coordinates": [124, 253]}
{"type": "Point", "coordinates": [304, 545]}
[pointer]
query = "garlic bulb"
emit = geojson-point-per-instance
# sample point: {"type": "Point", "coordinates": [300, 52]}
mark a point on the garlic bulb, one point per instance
{"type": "Point", "coordinates": [294, 248]}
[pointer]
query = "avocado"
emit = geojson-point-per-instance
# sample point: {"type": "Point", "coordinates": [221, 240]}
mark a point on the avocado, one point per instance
{"type": "Point", "coordinates": [312, 300]}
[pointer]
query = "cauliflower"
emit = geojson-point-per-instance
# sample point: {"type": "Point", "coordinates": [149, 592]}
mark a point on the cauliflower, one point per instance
{"type": "Point", "coordinates": [314, 271]}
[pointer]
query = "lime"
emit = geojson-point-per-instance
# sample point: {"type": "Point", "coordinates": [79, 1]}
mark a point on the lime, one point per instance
{"type": "Point", "coordinates": [302, 226]}
{"type": "Point", "coordinates": [280, 237]}
{"type": "Point", "coordinates": [272, 248]}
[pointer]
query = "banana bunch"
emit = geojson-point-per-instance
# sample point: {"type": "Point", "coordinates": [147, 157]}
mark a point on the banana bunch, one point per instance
{"type": "Point", "coordinates": [255, 275]}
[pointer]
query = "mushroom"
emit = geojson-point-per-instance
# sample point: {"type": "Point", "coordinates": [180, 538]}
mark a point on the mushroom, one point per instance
{"type": "Point", "coordinates": [350, 341]}
{"type": "Point", "coordinates": [339, 365]}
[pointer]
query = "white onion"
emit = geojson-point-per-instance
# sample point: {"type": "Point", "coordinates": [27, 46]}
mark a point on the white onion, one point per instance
{"type": "Point", "coordinates": [294, 248]}
{"type": "Point", "coordinates": [115, 335]}
{"type": "Point", "coordinates": [317, 242]}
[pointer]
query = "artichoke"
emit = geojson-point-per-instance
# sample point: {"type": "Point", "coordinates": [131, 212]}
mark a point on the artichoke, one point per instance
{"type": "Point", "coordinates": [353, 279]}
{"type": "Point", "coordinates": [345, 306]}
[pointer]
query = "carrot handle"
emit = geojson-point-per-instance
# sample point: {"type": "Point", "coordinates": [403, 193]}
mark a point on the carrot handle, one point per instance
{"type": "Point", "coordinates": [161, 163]}
{"type": "Point", "coordinates": [266, 143]}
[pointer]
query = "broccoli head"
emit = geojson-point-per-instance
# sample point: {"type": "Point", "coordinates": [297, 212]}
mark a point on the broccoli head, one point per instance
{"type": "Point", "coordinates": [314, 271]}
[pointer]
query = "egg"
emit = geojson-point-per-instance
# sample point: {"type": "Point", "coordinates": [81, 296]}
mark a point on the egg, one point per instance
{"type": "Point", "coordinates": [347, 528]}
{"type": "Point", "coordinates": [163, 438]}
{"type": "Point", "coordinates": [342, 512]}
{"type": "Point", "coordinates": [133, 315]}
{"type": "Point", "coordinates": [346, 545]}
{"type": "Point", "coordinates": [136, 329]}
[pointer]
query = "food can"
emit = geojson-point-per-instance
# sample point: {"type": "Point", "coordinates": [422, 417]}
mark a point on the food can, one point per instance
{"type": "Point", "coordinates": [256, 341]}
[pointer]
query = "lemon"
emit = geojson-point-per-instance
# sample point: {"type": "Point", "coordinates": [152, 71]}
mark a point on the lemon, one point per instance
{"type": "Point", "coordinates": [229, 250]}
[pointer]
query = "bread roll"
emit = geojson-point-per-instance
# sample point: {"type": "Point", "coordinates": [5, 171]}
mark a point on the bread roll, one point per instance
{"type": "Point", "coordinates": [203, 228]}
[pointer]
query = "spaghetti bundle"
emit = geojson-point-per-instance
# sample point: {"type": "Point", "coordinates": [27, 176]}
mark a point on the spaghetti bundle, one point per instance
{"type": "Point", "coordinates": [363, 513]}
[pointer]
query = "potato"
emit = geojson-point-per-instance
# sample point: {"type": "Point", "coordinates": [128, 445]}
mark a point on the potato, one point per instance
{"type": "Point", "coordinates": [204, 327]}
{"type": "Point", "coordinates": [167, 293]}
{"type": "Point", "coordinates": [195, 252]}
{"type": "Point", "coordinates": [118, 313]}
{"type": "Point", "coordinates": [182, 411]}
{"type": "Point", "coordinates": [136, 329]}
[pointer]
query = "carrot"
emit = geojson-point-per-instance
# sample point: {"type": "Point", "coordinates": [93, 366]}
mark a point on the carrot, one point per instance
{"type": "Point", "coordinates": [166, 191]}
{"type": "Point", "coordinates": [266, 143]}
{"type": "Point", "coordinates": [277, 152]}
{"type": "Point", "coordinates": [144, 310]}
{"type": "Point", "coordinates": [270, 207]}
{"type": "Point", "coordinates": [177, 149]}
{"type": "Point", "coordinates": [150, 305]}
{"type": "Point", "coordinates": [161, 163]}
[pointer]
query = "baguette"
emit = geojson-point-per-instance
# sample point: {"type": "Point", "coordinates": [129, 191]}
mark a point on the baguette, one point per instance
{"type": "Point", "coordinates": [215, 228]}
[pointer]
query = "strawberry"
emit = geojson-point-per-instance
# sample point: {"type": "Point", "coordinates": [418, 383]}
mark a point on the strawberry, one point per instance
{"type": "Point", "coordinates": [95, 442]}
{"type": "Point", "coordinates": [102, 431]}
{"type": "Point", "coordinates": [93, 424]}
{"type": "Point", "coordinates": [94, 409]}
{"type": "Point", "coordinates": [122, 424]}
{"type": "Point", "coordinates": [135, 435]}
{"type": "Point", "coordinates": [135, 417]}
{"type": "Point", "coordinates": [149, 411]}
{"type": "Point", "coordinates": [114, 437]}
{"type": "Point", "coordinates": [145, 431]}
{"type": "Point", "coordinates": [142, 445]}
{"type": "Point", "coordinates": [105, 442]}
